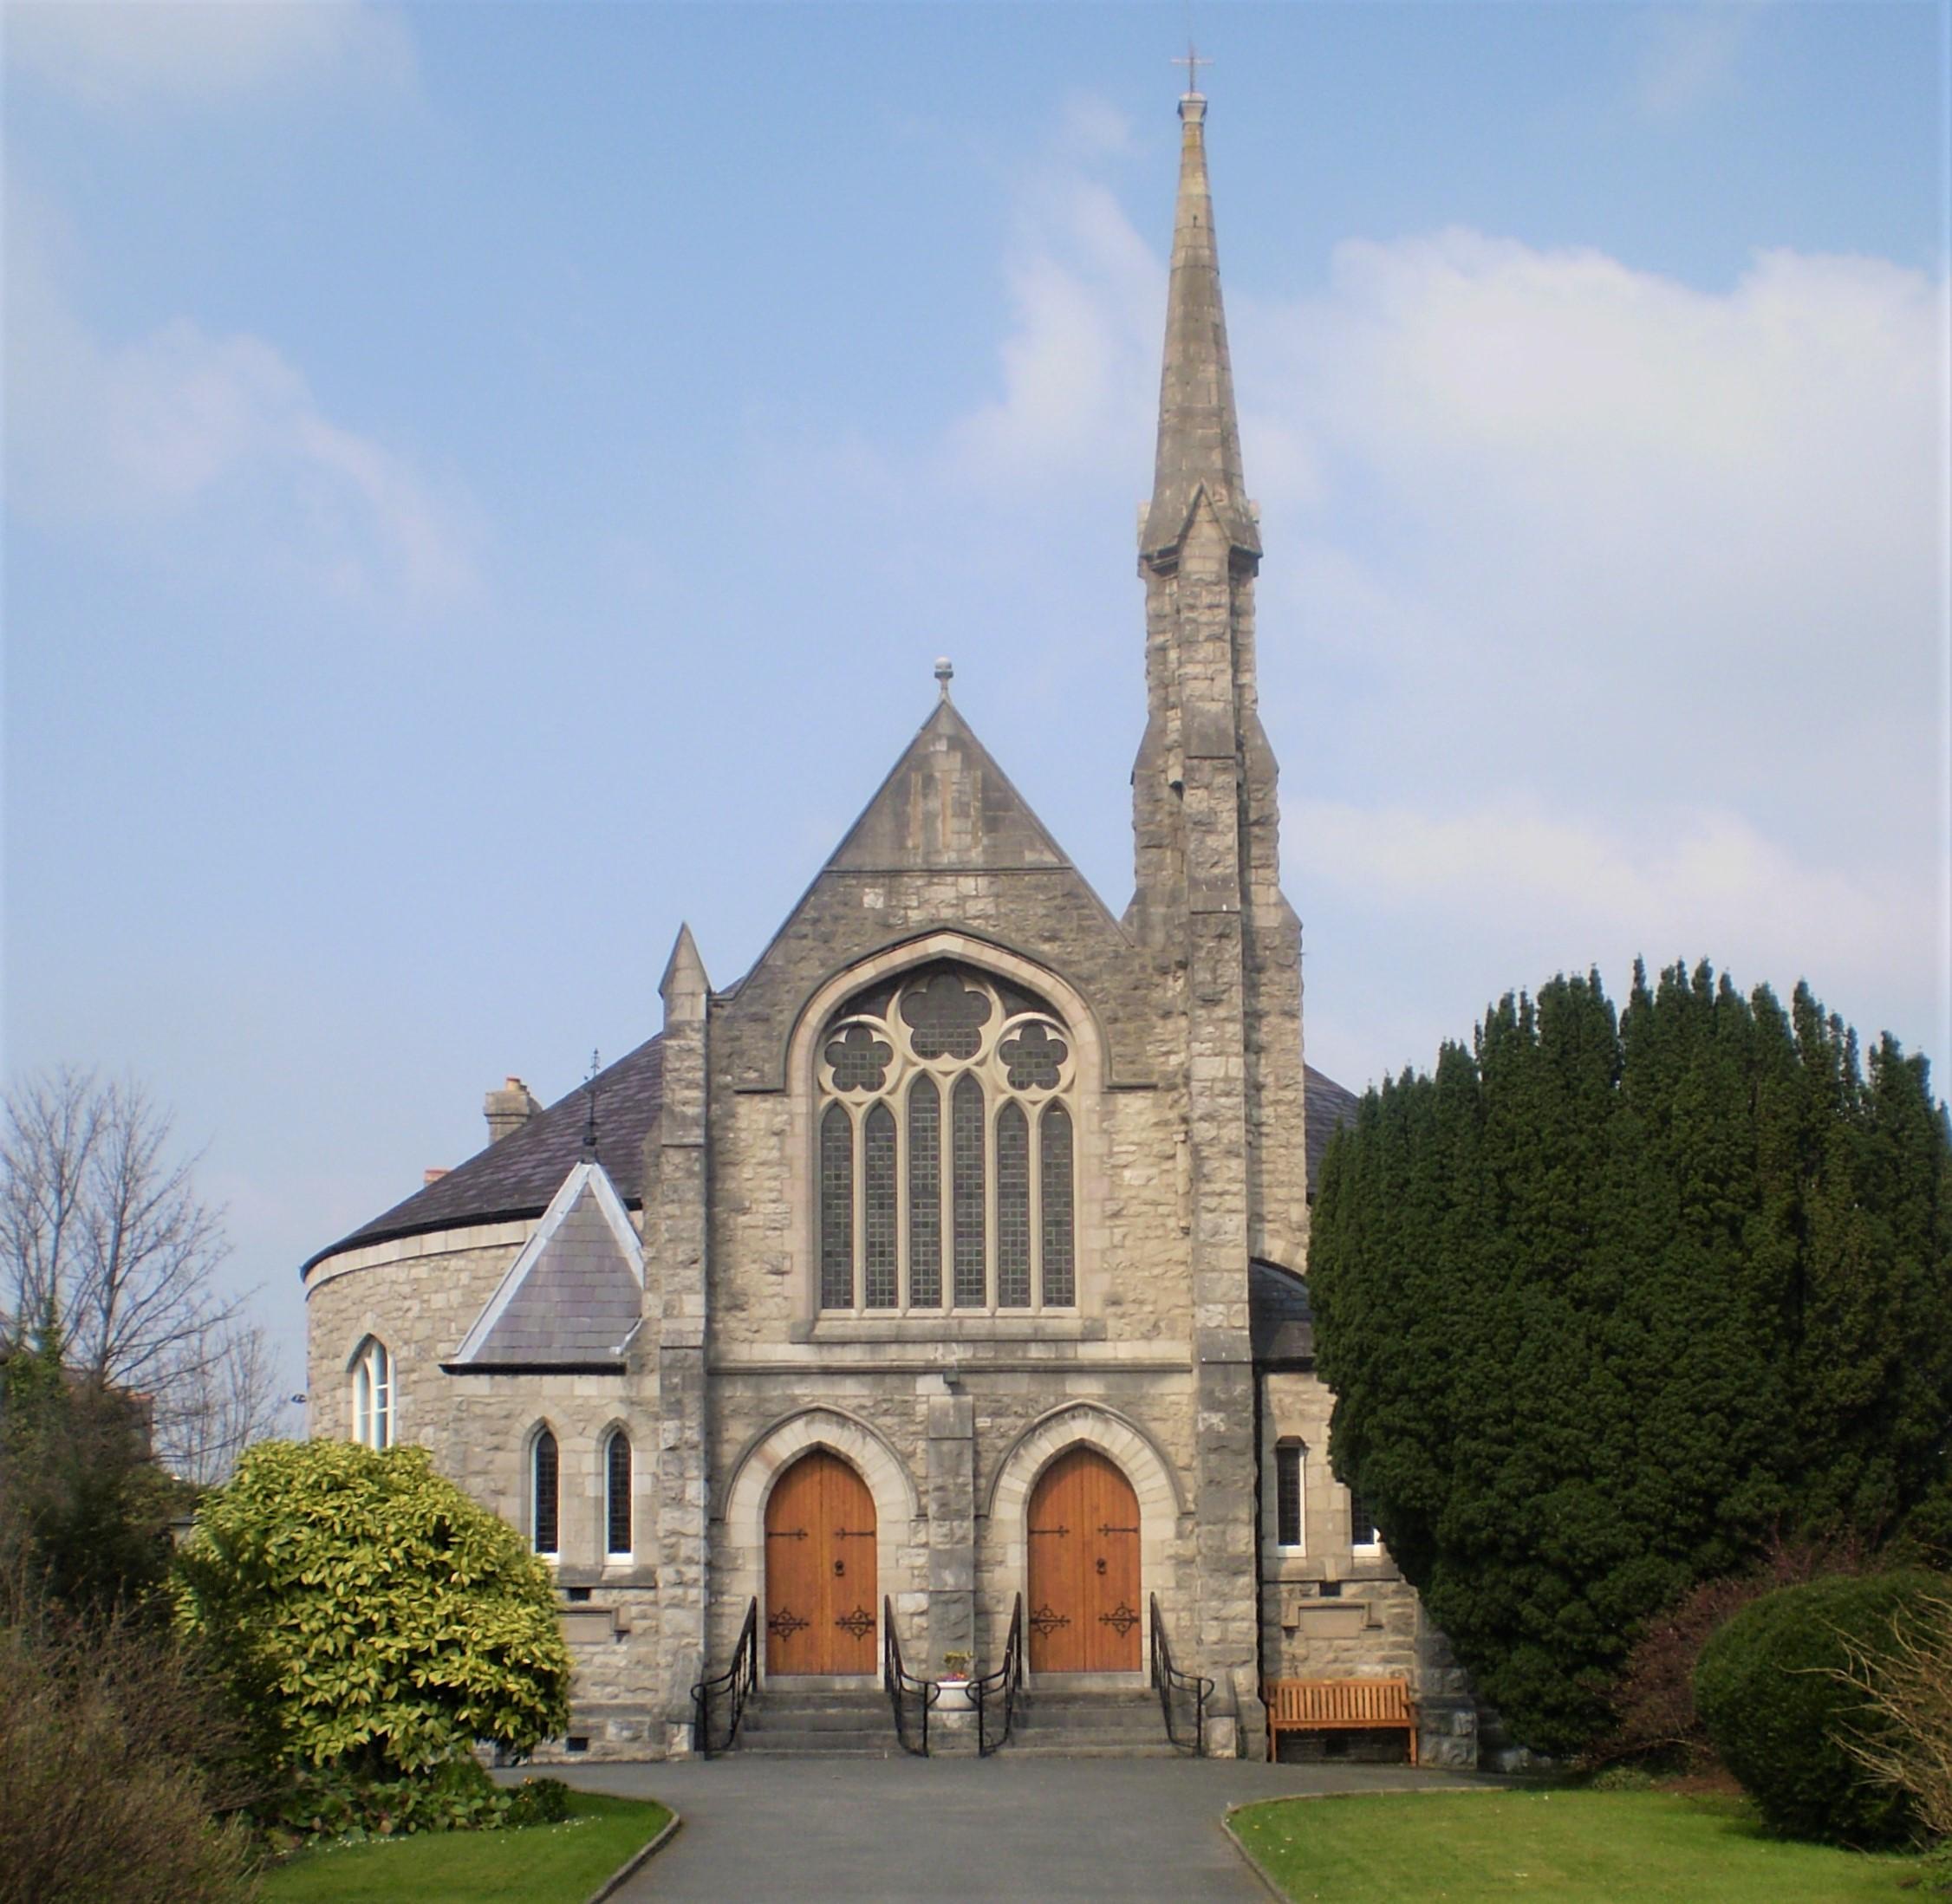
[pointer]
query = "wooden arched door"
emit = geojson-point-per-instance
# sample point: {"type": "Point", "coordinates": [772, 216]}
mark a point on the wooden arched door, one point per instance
{"type": "Point", "coordinates": [822, 1612]}
{"type": "Point", "coordinates": [1083, 1606]}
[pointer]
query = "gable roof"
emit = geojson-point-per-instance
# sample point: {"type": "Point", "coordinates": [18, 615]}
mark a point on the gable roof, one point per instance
{"type": "Point", "coordinates": [574, 1295]}
{"type": "Point", "coordinates": [946, 804]}
{"type": "Point", "coordinates": [518, 1177]}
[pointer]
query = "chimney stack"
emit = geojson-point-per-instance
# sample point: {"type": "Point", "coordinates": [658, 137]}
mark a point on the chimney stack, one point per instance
{"type": "Point", "coordinates": [508, 1109]}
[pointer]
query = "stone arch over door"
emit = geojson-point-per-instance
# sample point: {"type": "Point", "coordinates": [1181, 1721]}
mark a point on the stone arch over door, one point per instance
{"type": "Point", "coordinates": [761, 1463]}
{"type": "Point", "coordinates": [1004, 1538]}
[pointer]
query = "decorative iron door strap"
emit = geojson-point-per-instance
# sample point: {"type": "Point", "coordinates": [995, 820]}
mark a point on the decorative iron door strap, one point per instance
{"type": "Point", "coordinates": [854, 1533]}
{"type": "Point", "coordinates": [1121, 1617]}
{"type": "Point", "coordinates": [786, 1533]}
{"type": "Point", "coordinates": [859, 1622]}
{"type": "Point", "coordinates": [1059, 1531]}
{"type": "Point", "coordinates": [1107, 1532]}
{"type": "Point", "coordinates": [785, 1623]}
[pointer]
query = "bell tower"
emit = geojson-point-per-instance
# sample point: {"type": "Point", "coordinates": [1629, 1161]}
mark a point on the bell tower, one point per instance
{"type": "Point", "coordinates": [1209, 904]}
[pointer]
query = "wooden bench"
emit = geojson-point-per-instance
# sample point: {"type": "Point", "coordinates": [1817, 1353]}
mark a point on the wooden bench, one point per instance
{"type": "Point", "coordinates": [1339, 1705]}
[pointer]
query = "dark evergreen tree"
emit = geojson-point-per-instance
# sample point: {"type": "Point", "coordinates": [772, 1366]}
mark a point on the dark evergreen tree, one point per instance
{"type": "Point", "coordinates": [1609, 1303]}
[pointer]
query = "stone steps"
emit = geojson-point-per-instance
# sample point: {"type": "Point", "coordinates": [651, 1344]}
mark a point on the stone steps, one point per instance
{"type": "Point", "coordinates": [1090, 1726]}
{"type": "Point", "coordinates": [817, 1725]}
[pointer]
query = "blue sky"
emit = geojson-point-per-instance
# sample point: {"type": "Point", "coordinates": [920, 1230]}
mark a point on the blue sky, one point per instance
{"type": "Point", "coordinates": [486, 483]}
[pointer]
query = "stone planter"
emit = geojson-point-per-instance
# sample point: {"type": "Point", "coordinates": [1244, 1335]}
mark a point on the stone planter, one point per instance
{"type": "Point", "coordinates": [954, 1696]}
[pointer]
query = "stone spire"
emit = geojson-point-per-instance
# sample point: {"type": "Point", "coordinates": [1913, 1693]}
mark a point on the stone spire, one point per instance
{"type": "Point", "coordinates": [1199, 433]}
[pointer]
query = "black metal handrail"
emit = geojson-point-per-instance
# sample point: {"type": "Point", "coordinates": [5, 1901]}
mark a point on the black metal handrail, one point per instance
{"type": "Point", "coordinates": [1166, 1680]}
{"type": "Point", "coordinates": [902, 1686]}
{"type": "Point", "coordinates": [734, 1686]}
{"type": "Point", "coordinates": [1008, 1679]}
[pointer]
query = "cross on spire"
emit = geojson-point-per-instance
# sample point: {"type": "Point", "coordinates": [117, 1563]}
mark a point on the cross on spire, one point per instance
{"type": "Point", "coordinates": [589, 1127]}
{"type": "Point", "coordinates": [1191, 62]}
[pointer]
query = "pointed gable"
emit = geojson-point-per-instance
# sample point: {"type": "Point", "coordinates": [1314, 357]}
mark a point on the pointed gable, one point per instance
{"type": "Point", "coordinates": [574, 1295]}
{"type": "Point", "coordinates": [946, 805]}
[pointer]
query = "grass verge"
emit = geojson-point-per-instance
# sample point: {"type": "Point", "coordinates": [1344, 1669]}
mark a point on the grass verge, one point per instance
{"type": "Point", "coordinates": [540, 1864]}
{"type": "Point", "coordinates": [1567, 1847]}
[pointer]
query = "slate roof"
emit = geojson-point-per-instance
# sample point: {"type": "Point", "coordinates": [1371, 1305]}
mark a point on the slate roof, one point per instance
{"type": "Point", "coordinates": [574, 1295]}
{"type": "Point", "coordinates": [1280, 1322]}
{"type": "Point", "coordinates": [518, 1177]}
{"type": "Point", "coordinates": [1329, 1106]}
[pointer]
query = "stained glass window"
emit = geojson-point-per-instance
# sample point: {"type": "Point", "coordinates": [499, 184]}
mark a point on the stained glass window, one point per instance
{"type": "Point", "coordinates": [924, 1194]}
{"type": "Point", "coordinates": [836, 1209]}
{"type": "Point", "coordinates": [1031, 1059]}
{"type": "Point", "coordinates": [965, 1110]}
{"type": "Point", "coordinates": [1059, 1253]}
{"type": "Point", "coordinates": [878, 1289]}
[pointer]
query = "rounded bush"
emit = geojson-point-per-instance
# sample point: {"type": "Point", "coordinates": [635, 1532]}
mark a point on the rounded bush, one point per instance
{"type": "Point", "coordinates": [1771, 1691]}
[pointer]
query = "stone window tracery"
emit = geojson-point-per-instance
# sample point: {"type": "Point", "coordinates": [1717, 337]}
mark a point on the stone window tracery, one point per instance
{"type": "Point", "coordinates": [945, 1144]}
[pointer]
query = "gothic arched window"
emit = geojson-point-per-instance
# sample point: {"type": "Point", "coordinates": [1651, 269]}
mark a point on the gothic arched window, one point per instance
{"type": "Point", "coordinates": [616, 1494]}
{"type": "Point", "coordinates": [545, 1493]}
{"type": "Point", "coordinates": [373, 1394]}
{"type": "Point", "coordinates": [944, 1149]}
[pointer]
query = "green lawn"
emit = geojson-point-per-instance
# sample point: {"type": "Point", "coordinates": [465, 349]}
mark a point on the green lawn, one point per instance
{"type": "Point", "coordinates": [1567, 1847]}
{"type": "Point", "coordinates": [540, 1864]}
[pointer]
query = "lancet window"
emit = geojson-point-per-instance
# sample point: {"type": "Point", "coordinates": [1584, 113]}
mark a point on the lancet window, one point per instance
{"type": "Point", "coordinates": [946, 1149]}
{"type": "Point", "coordinates": [373, 1394]}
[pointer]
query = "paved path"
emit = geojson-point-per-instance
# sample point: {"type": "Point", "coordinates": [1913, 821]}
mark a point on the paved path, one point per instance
{"type": "Point", "coordinates": [962, 1830]}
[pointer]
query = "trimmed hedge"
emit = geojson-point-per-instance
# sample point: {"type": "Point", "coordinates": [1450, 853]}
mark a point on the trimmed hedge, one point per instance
{"type": "Point", "coordinates": [1770, 1691]}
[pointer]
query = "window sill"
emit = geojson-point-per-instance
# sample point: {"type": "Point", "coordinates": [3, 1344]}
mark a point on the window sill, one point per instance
{"type": "Point", "coordinates": [950, 1326]}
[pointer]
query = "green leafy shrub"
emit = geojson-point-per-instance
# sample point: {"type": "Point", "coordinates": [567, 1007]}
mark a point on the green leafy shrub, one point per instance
{"type": "Point", "coordinates": [538, 1801]}
{"type": "Point", "coordinates": [379, 1623]}
{"type": "Point", "coordinates": [1774, 1691]}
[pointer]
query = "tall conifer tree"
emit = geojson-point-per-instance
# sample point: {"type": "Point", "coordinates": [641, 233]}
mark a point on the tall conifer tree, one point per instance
{"type": "Point", "coordinates": [1607, 1303]}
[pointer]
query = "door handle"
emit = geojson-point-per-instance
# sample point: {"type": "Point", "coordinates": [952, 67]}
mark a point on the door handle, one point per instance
{"type": "Point", "coordinates": [840, 1567]}
{"type": "Point", "coordinates": [1101, 1565]}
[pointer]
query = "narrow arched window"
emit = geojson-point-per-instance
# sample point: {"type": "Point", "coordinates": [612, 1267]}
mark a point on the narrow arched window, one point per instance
{"type": "Point", "coordinates": [1059, 1254]}
{"type": "Point", "coordinates": [1362, 1535]}
{"type": "Point", "coordinates": [373, 1394]}
{"type": "Point", "coordinates": [924, 1194]}
{"type": "Point", "coordinates": [879, 1254]}
{"type": "Point", "coordinates": [1012, 1208]}
{"type": "Point", "coordinates": [546, 1492]}
{"type": "Point", "coordinates": [836, 1209]}
{"type": "Point", "coordinates": [616, 1496]}
{"type": "Point", "coordinates": [1291, 1458]}
{"type": "Point", "coordinates": [966, 1144]}
{"type": "Point", "coordinates": [944, 1161]}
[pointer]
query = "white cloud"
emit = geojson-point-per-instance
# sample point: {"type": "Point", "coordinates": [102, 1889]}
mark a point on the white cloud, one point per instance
{"type": "Point", "coordinates": [182, 430]}
{"type": "Point", "coordinates": [1677, 884]}
{"type": "Point", "coordinates": [1081, 366]}
{"type": "Point", "coordinates": [198, 52]}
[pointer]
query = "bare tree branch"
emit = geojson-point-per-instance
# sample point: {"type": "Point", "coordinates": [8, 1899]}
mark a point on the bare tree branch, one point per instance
{"type": "Point", "coordinates": [97, 1219]}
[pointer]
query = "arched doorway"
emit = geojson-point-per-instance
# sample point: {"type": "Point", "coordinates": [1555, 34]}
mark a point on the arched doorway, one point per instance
{"type": "Point", "coordinates": [1083, 1600]}
{"type": "Point", "coordinates": [821, 1615]}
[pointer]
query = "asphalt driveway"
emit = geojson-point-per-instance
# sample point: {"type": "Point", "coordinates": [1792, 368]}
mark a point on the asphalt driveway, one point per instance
{"type": "Point", "coordinates": [959, 1830]}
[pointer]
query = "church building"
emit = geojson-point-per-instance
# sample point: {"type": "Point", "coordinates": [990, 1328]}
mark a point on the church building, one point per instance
{"type": "Point", "coordinates": [948, 1267]}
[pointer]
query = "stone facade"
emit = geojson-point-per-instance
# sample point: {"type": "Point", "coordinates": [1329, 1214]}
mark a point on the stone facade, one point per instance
{"type": "Point", "coordinates": [1182, 1161]}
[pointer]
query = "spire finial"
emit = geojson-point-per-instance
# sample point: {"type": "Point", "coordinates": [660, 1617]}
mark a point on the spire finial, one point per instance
{"type": "Point", "coordinates": [1192, 63]}
{"type": "Point", "coordinates": [945, 673]}
{"type": "Point", "coordinates": [590, 1123]}
{"type": "Point", "coordinates": [1199, 452]}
